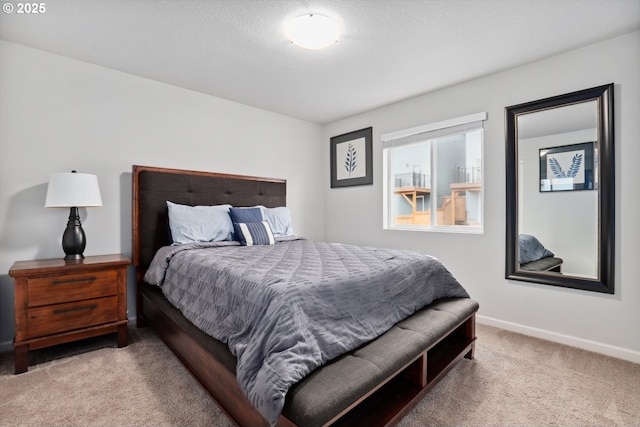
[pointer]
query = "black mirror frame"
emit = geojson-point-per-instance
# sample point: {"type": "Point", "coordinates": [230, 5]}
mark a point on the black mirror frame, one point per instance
{"type": "Point", "coordinates": [606, 191]}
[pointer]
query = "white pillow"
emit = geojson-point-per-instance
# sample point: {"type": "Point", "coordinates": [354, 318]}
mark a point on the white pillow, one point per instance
{"type": "Point", "coordinates": [189, 224]}
{"type": "Point", "coordinates": [279, 219]}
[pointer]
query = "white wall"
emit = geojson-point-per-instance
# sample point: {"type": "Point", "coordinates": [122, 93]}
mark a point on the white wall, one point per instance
{"type": "Point", "coordinates": [600, 322]}
{"type": "Point", "coordinates": [58, 114]}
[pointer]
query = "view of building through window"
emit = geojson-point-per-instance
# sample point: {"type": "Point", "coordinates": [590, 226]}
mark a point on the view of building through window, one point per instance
{"type": "Point", "coordinates": [436, 182]}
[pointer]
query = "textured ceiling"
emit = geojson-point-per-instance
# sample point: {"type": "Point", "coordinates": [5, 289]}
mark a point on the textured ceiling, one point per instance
{"type": "Point", "coordinates": [389, 50]}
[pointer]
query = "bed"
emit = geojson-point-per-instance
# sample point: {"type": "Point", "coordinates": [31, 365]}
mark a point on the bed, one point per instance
{"type": "Point", "coordinates": [374, 383]}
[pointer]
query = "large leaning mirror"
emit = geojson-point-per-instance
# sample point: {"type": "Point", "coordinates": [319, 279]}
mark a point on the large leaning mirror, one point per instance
{"type": "Point", "coordinates": [560, 190]}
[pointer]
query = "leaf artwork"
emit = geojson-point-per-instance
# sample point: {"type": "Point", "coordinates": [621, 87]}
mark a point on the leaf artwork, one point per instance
{"type": "Point", "coordinates": [350, 160]}
{"type": "Point", "coordinates": [575, 166]}
{"type": "Point", "coordinates": [557, 170]}
{"type": "Point", "coordinates": [555, 167]}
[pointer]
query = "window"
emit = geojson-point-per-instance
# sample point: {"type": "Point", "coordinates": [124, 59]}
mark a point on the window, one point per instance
{"type": "Point", "coordinates": [433, 176]}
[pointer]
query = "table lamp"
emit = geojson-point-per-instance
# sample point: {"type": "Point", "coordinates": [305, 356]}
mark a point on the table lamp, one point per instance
{"type": "Point", "coordinates": [73, 190]}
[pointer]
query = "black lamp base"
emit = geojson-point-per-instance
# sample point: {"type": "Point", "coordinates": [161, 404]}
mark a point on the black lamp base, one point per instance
{"type": "Point", "coordinates": [73, 239]}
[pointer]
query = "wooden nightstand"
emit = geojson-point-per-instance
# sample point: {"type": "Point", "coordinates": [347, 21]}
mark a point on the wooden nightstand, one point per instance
{"type": "Point", "coordinates": [58, 301]}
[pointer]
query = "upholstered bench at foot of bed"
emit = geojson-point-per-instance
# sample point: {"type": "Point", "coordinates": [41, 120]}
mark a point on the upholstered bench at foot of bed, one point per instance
{"type": "Point", "coordinates": [332, 389]}
{"type": "Point", "coordinates": [543, 264]}
{"type": "Point", "coordinates": [422, 348]}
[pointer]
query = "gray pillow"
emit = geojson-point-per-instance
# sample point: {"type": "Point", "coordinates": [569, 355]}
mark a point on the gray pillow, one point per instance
{"type": "Point", "coordinates": [531, 249]}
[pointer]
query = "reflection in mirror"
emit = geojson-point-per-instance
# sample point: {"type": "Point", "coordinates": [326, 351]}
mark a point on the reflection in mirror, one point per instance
{"type": "Point", "coordinates": [564, 220]}
{"type": "Point", "coordinates": [560, 190]}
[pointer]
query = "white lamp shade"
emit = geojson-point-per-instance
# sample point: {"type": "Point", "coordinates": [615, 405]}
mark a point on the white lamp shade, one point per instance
{"type": "Point", "coordinates": [313, 31]}
{"type": "Point", "coordinates": [73, 189]}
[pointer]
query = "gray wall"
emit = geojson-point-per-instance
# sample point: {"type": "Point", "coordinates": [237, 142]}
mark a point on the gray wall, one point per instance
{"type": "Point", "coordinates": [605, 323]}
{"type": "Point", "coordinates": [58, 114]}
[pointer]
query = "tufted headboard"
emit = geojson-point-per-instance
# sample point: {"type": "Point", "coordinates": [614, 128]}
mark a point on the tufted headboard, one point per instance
{"type": "Point", "coordinates": [153, 186]}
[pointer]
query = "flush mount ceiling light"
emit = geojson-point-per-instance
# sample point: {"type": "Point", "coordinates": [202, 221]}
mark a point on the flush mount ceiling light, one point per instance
{"type": "Point", "coordinates": [313, 31]}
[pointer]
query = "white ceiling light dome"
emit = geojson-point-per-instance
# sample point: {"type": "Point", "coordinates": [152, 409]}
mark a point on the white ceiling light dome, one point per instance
{"type": "Point", "coordinates": [313, 31]}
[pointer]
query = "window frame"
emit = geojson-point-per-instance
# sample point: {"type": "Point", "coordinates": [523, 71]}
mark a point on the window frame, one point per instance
{"type": "Point", "coordinates": [429, 132]}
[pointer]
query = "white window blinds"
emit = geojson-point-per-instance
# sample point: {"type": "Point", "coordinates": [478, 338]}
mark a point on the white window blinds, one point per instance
{"type": "Point", "coordinates": [434, 130]}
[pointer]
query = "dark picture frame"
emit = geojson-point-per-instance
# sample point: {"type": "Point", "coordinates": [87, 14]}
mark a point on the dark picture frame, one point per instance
{"type": "Point", "coordinates": [352, 158]}
{"type": "Point", "coordinates": [568, 167]}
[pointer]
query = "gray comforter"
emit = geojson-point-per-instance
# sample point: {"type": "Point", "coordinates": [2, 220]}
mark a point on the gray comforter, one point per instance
{"type": "Point", "coordinates": [288, 308]}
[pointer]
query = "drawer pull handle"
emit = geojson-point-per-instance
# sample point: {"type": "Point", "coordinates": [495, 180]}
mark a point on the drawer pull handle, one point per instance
{"type": "Point", "coordinates": [68, 310]}
{"type": "Point", "coordinates": [82, 279]}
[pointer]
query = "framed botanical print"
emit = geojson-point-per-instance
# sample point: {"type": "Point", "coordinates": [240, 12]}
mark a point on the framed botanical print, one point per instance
{"type": "Point", "coordinates": [568, 167]}
{"type": "Point", "coordinates": [352, 159]}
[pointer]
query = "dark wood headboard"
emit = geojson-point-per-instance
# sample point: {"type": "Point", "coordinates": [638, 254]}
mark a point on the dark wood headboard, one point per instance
{"type": "Point", "coordinates": [153, 186]}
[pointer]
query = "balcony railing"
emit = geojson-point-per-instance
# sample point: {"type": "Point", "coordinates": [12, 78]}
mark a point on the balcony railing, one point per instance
{"type": "Point", "coordinates": [459, 175]}
{"type": "Point", "coordinates": [471, 174]}
{"type": "Point", "coordinates": [411, 179]}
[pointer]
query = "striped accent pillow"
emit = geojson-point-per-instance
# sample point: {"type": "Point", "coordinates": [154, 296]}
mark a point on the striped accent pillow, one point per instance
{"type": "Point", "coordinates": [254, 233]}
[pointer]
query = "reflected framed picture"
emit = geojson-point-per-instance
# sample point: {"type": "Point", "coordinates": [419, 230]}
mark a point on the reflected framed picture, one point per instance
{"type": "Point", "coordinates": [352, 159]}
{"type": "Point", "coordinates": [568, 167]}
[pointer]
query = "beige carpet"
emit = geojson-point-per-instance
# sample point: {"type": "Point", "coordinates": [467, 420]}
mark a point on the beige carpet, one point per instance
{"type": "Point", "coordinates": [514, 381]}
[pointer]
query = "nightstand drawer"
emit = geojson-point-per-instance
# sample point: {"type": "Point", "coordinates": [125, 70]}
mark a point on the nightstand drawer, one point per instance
{"type": "Point", "coordinates": [66, 317]}
{"type": "Point", "coordinates": [71, 287]}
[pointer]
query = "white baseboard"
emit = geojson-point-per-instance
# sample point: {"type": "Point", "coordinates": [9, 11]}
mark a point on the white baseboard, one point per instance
{"type": "Point", "coordinates": [596, 347]}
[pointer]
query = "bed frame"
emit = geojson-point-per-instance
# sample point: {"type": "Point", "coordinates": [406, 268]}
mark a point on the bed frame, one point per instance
{"type": "Point", "coordinates": [373, 402]}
